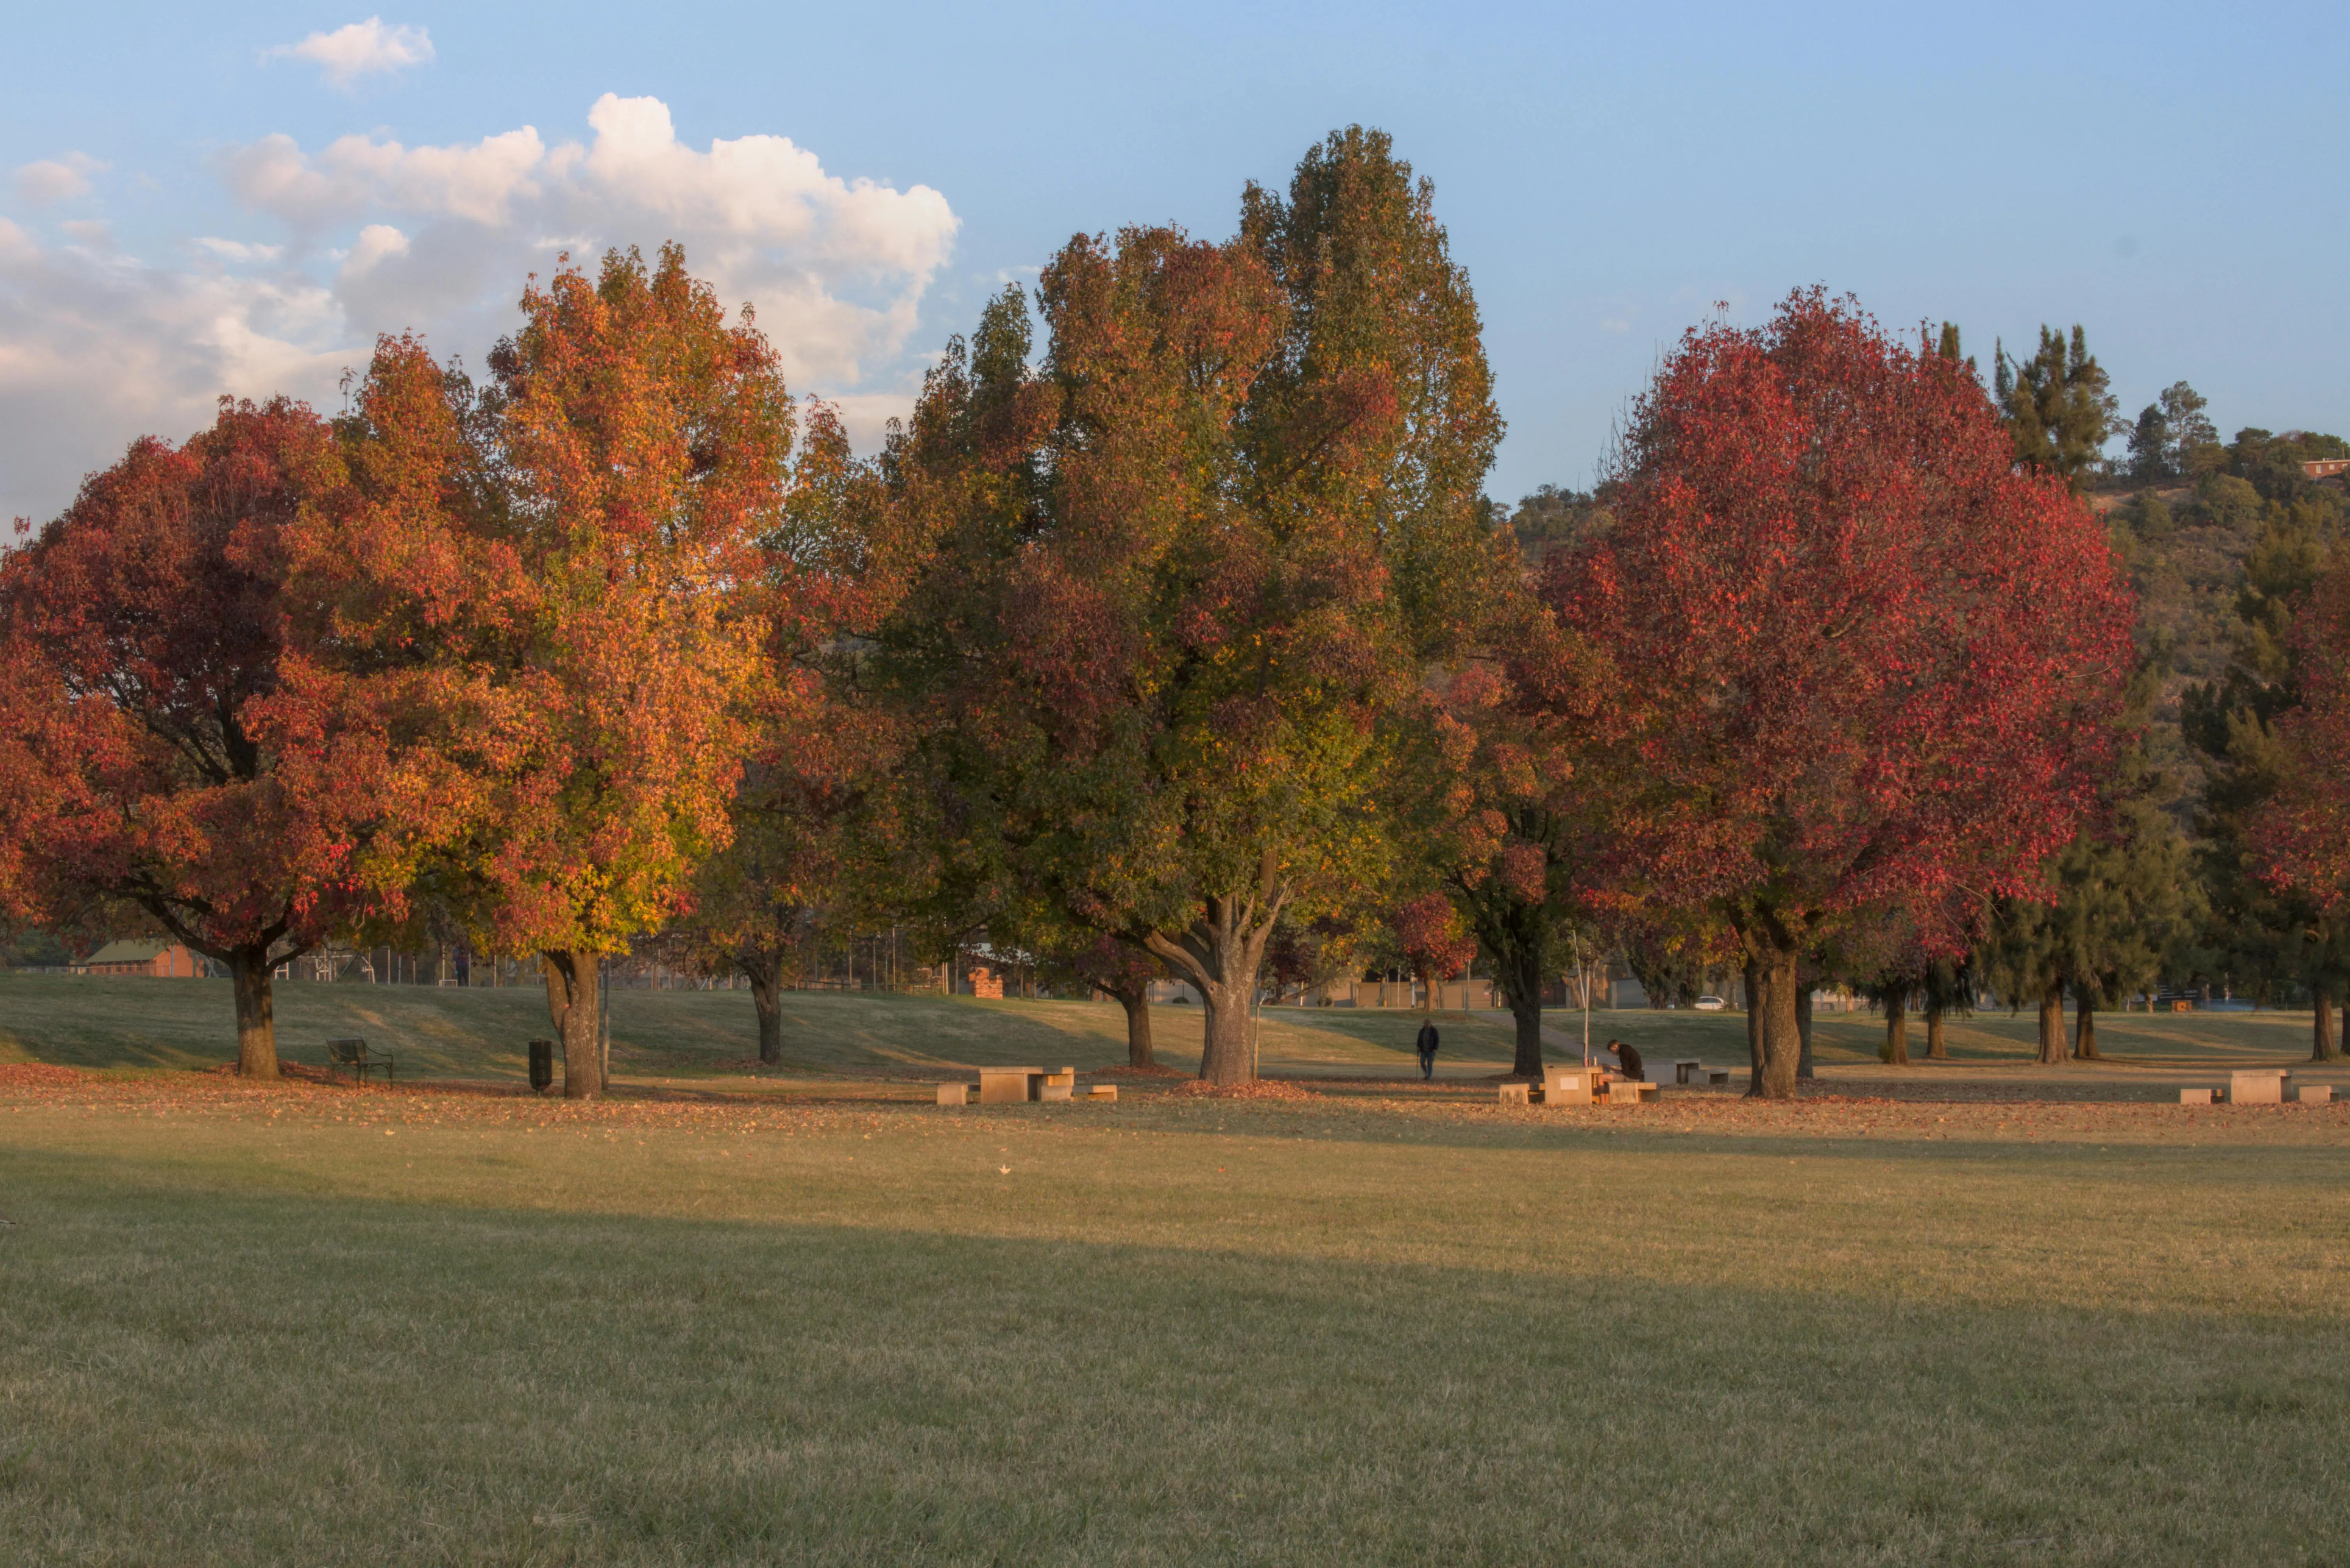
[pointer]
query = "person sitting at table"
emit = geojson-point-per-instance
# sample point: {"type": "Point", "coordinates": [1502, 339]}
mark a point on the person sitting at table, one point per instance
{"type": "Point", "coordinates": [1629, 1058]}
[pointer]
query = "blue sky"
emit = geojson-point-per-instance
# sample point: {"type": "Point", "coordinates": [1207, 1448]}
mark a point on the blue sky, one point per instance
{"type": "Point", "coordinates": [186, 207]}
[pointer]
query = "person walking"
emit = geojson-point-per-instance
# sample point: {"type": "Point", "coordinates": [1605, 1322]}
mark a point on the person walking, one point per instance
{"type": "Point", "coordinates": [1426, 1045]}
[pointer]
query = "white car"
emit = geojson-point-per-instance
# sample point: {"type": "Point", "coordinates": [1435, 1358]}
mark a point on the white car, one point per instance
{"type": "Point", "coordinates": [1711, 1003]}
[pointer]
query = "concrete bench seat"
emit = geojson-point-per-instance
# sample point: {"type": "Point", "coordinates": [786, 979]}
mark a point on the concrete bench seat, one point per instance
{"type": "Point", "coordinates": [2258, 1086]}
{"type": "Point", "coordinates": [2195, 1096]}
{"type": "Point", "coordinates": [2315, 1094]}
{"type": "Point", "coordinates": [1516, 1094]}
{"type": "Point", "coordinates": [1686, 1068]}
{"type": "Point", "coordinates": [954, 1094]}
{"type": "Point", "coordinates": [1630, 1092]}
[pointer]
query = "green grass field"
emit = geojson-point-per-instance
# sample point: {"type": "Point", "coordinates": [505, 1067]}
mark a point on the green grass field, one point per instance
{"type": "Point", "coordinates": [2008, 1317]}
{"type": "Point", "coordinates": [480, 1035]}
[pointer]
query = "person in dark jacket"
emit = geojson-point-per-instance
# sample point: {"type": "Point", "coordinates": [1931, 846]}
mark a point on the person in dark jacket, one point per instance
{"type": "Point", "coordinates": [1427, 1048]}
{"type": "Point", "coordinates": [1630, 1058]}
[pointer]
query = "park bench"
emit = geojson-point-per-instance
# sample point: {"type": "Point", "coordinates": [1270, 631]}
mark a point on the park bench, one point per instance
{"type": "Point", "coordinates": [954, 1094]}
{"type": "Point", "coordinates": [1516, 1095]}
{"type": "Point", "coordinates": [2317, 1093]}
{"type": "Point", "coordinates": [2195, 1096]}
{"type": "Point", "coordinates": [1060, 1085]}
{"type": "Point", "coordinates": [1630, 1091]}
{"type": "Point", "coordinates": [1102, 1092]}
{"type": "Point", "coordinates": [354, 1056]}
{"type": "Point", "coordinates": [1687, 1067]}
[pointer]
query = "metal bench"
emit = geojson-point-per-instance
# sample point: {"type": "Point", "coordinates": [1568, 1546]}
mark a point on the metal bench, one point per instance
{"type": "Point", "coordinates": [354, 1055]}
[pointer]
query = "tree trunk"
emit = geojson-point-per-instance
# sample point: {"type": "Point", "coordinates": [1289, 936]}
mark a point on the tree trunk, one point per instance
{"type": "Point", "coordinates": [2052, 1024]}
{"type": "Point", "coordinates": [571, 1005]}
{"type": "Point", "coordinates": [1137, 1002]}
{"type": "Point", "coordinates": [1753, 988]}
{"type": "Point", "coordinates": [2085, 1029]}
{"type": "Point", "coordinates": [1802, 1028]}
{"type": "Point", "coordinates": [1896, 1029]}
{"type": "Point", "coordinates": [1220, 954]}
{"type": "Point", "coordinates": [256, 1014]}
{"type": "Point", "coordinates": [765, 972]}
{"type": "Point", "coordinates": [1520, 974]}
{"type": "Point", "coordinates": [1776, 1027]}
{"type": "Point", "coordinates": [2322, 1046]}
{"type": "Point", "coordinates": [1936, 1051]}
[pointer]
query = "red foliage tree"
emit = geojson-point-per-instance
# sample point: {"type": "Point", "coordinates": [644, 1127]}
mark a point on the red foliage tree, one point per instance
{"type": "Point", "coordinates": [2301, 835]}
{"type": "Point", "coordinates": [145, 710]}
{"type": "Point", "coordinates": [1862, 661]}
{"type": "Point", "coordinates": [1435, 940]}
{"type": "Point", "coordinates": [1497, 796]}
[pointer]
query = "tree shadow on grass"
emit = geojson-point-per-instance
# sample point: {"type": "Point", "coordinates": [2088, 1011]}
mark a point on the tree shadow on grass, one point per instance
{"type": "Point", "coordinates": [310, 1379]}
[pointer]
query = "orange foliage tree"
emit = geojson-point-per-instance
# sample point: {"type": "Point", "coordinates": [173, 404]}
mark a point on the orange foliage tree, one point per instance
{"type": "Point", "coordinates": [542, 602]}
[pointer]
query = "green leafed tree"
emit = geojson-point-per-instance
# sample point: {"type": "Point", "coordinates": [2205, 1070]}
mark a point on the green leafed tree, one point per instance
{"type": "Point", "coordinates": [2059, 406]}
{"type": "Point", "coordinates": [1189, 569]}
{"type": "Point", "coordinates": [2260, 935]}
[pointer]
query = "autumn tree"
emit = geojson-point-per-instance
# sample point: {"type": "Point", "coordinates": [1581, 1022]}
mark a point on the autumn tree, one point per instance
{"type": "Point", "coordinates": [1491, 791]}
{"type": "Point", "coordinates": [537, 594]}
{"type": "Point", "coordinates": [1435, 941]}
{"type": "Point", "coordinates": [2293, 834]}
{"type": "Point", "coordinates": [144, 743]}
{"type": "Point", "coordinates": [1125, 973]}
{"type": "Point", "coordinates": [811, 844]}
{"type": "Point", "coordinates": [1863, 659]}
{"type": "Point", "coordinates": [1189, 567]}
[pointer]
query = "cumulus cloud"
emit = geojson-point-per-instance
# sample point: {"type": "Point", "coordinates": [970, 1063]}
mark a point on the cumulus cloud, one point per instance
{"type": "Point", "coordinates": [54, 180]}
{"type": "Point", "coordinates": [97, 346]}
{"type": "Point", "coordinates": [836, 267]}
{"type": "Point", "coordinates": [362, 49]}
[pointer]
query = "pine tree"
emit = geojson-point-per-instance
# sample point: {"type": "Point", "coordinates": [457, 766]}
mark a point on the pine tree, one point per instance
{"type": "Point", "coordinates": [2058, 406]}
{"type": "Point", "coordinates": [2124, 905]}
{"type": "Point", "coordinates": [2259, 935]}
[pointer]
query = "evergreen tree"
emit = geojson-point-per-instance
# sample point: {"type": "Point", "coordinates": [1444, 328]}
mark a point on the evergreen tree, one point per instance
{"type": "Point", "coordinates": [2186, 426]}
{"type": "Point", "coordinates": [2058, 406]}
{"type": "Point", "coordinates": [2150, 447]}
{"type": "Point", "coordinates": [2123, 907]}
{"type": "Point", "coordinates": [2257, 935]}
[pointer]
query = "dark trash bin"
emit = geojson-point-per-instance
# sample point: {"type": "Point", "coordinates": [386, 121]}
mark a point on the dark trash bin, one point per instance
{"type": "Point", "coordinates": [541, 1065]}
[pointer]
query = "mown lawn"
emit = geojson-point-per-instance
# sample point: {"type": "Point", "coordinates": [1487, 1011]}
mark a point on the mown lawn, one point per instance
{"type": "Point", "coordinates": [480, 1034]}
{"type": "Point", "coordinates": [1370, 1324]}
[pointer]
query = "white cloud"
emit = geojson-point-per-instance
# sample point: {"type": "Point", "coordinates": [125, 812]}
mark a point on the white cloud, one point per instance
{"type": "Point", "coordinates": [54, 180]}
{"type": "Point", "coordinates": [239, 250]}
{"type": "Point", "coordinates": [358, 50]}
{"type": "Point", "coordinates": [837, 268]}
{"type": "Point", "coordinates": [97, 347]}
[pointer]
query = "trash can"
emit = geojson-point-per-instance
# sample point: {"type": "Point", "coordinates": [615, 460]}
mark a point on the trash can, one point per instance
{"type": "Point", "coordinates": [541, 1065]}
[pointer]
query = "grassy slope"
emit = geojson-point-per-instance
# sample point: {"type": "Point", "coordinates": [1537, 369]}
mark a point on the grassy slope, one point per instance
{"type": "Point", "coordinates": [1357, 1329]}
{"type": "Point", "coordinates": [480, 1033]}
